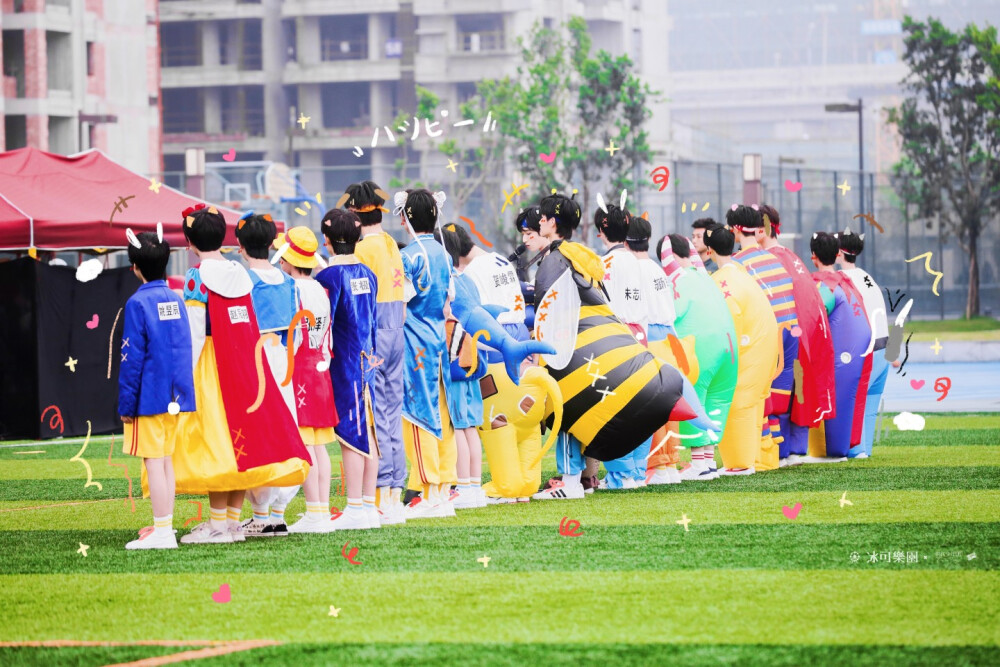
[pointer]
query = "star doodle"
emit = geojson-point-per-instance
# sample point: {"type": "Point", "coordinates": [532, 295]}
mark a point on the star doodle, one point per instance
{"type": "Point", "coordinates": [509, 198]}
{"type": "Point", "coordinates": [485, 560]}
{"type": "Point", "coordinates": [611, 149]}
{"type": "Point", "coordinates": [83, 549]}
{"type": "Point", "coordinates": [844, 500]}
{"type": "Point", "coordinates": [334, 611]}
{"type": "Point", "coordinates": [936, 347]}
{"type": "Point", "coordinates": [303, 120]}
{"type": "Point", "coordinates": [451, 165]}
{"type": "Point", "coordinates": [684, 521]}
{"type": "Point", "coordinates": [71, 364]}
{"type": "Point", "coordinates": [844, 188]}
{"type": "Point", "coordinates": [155, 185]}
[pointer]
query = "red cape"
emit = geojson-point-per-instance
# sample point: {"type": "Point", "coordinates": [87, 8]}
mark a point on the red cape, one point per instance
{"type": "Point", "coordinates": [815, 344]}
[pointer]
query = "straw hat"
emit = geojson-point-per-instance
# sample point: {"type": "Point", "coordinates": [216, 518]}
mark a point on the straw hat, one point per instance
{"type": "Point", "coordinates": [301, 247]}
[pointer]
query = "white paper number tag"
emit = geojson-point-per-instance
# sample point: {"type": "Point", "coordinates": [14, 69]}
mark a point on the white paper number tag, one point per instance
{"type": "Point", "coordinates": [360, 286]}
{"type": "Point", "coordinates": [238, 314]}
{"type": "Point", "coordinates": [169, 310]}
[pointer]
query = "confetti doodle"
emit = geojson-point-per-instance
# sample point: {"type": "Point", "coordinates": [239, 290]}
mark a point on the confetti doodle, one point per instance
{"type": "Point", "coordinates": [485, 560]}
{"type": "Point", "coordinates": [334, 611]}
{"type": "Point", "coordinates": [472, 228]}
{"type": "Point", "coordinates": [942, 384]}
{"type": "Point", "coordinates": [71, 364]}
{"type": "Point", "coordinates": [871, 219]}
{"type": "Point", "coordinates": [694, 205]}
{"type": "Point", "coordinates": [292, 326]}
{"type": "Point", "coordinates": [509, 198]}
{"type": "Point", "coordinates": [844, 188]}
{"type": "Point", "coordinates": [56, 420]}
{"type": "Point", "coordinates": [194, 518]}
{"type": "Point", "coordinates": [569, 528]}
{"type": "Point", "coordinates": [792, 186]}
{"type": "Point", "coordinates": [844, 500]}
{"type": "Point", "coordinates": [452, 165]}
{"type": "Point", "coordinates": [350, 555]}
{"type": "Point", "coordinates": [79, 454]}
{"type": "Point", "coordinates": [111, 341]}
{"type": "Point", "coordinates": [120, 205]}
{"type": "Point", "coordinates": [791, 512]}
{"type": "Point", "coordinates": [927, 266]}
{"type": "Point", "coordinates": [611, 149]}
{"type": "Point", "coordinates": [83, 549]}
{"type": "Point", "coordinates": [303, 120]}
{"type": "Point", "coordinates": [683, 521]}
{"type": "Point", "coordinates": [124, 468]}
{"type": "Point", "coordinates": [223, 595]}
{"type": "Point", "coordinates": [258, 357]}
{"type": "Point", "coordinates": [936, 347]}
{"type": "Point", "coordinates": [661, 177]}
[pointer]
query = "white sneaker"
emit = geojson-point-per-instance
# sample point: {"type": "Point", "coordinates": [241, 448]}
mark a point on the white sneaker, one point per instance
{"type": "Point", "coordinates": [236, 530]}
{"type": "Point", "coordinates": [783, 463]}
{"type": "Point", "coordinates": [524, 499]}
{"type": "Point", "coordinates": [393, 514]}
{"type": "Point", "coordinates": [664, 477]}
{"type": "Point", "coordinates": [374, 520]}
{"type": "Point", "coordinates": [254, 528]}
{"type": "Point", "coordinates": [794, 460]}
{"type": "Point", "coordinates": [308, 524]}
{"type": "Point", "coordinates": [697, 474]}
{"type": "Point", "coordinates": [466, 499]}
{"type": "Point", "coordinates": [736, 472]}
{"type": "Point", "coordinates": [423, 509]}
{"type": "Point", "coordinates": [480, 496]}
{"type": "Point", "coordinates": [349, 521]}
{"type": "Point", "coordinates": [448, 505]}
{"type": "Point", "coordinates": [629, 483]}
{"type": "Point", "coordinates": [155, 539]}
{"type": "Point", "coordinates": [558, 490]}
{"type": "Point", "coordinates": [203, 533]}
{"type": "Point", "coordinates": [822, 459]}
{"type": "Point", "coordinates": [493, 500]}
{"type": "Point", "coordinates": [862, 455]}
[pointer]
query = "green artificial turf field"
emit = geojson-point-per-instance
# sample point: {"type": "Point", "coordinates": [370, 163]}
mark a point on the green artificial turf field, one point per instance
{"type": "Point", "coordinates": [907, 574]}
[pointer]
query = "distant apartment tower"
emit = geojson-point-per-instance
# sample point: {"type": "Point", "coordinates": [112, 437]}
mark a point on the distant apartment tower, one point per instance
{"type": "Point", "coordinates": [237, 73]}
{"type": "Point", "coordinates": [81, 74]}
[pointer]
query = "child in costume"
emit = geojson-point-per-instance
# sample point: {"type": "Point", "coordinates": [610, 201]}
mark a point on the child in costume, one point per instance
{"type": "Point", "coordinates": [313, 390]}
{"type": "Point", "coordinates": [351, 287]}
{"type": "Point", "coordinates": [275, 302]}
{"type": "Point", "coordinates": [616, 394]}
{"type": "Point", "coordinates": [380, 253]}
{"type": "Point", "coordinates": [747, 224]}
{"type": "Point", "coordinates": [698, 228]}
{"type": "Point", "coordinates": [832, 440]}
{"type": "Point", "coordinates": [852, 245]}
{"type": "Point", "coordinates": [427, 431]}
{"type": "Point", "coordinates": [155, 382]}
{"type": "Point", "coordinates": [242, 435]}
{"type": "Point", "coordinates": [759, 341]}
{"type": "Point", "coordinates": [627, 298]}
{"type": "Point", "coordinates": [815, 395]}
{"type": "Point", "coordinates": [701, 312]}
{"type": "Point", "coordinates": [466, 366]}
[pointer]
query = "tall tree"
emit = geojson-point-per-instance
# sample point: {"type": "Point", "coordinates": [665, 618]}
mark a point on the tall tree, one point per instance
{"type": "Point", "coordinates": [950, 131]}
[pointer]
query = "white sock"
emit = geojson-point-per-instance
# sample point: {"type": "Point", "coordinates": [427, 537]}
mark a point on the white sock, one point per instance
{"type": "Point", "coordinates": [217, 519]}
{"type": "Point", "coordinates": [368, 502]}
{"type": "Point", "coordinates": [354, 505]}
{"type": "Point", "coordinates": [277, 515]}
{"type": "Point", "coordinates": [463, 483]}
{"type": "Point", "coordinates": [315, 511]}
{"type": "Point", "coordinates": [163, 524]}
{"type": "Point", "coordinates": [476, 482]}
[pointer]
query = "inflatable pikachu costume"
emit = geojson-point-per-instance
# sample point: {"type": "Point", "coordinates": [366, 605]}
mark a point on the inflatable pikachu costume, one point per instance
{"type": "Point", "coordinates": [616, 393]}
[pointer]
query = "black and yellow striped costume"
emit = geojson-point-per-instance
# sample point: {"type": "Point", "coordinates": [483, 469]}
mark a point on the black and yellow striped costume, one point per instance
{"type": "Point", "coordinates": [616, 394]}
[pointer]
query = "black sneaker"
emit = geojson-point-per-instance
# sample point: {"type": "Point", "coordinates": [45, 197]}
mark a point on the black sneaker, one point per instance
{"type": "Point", "coordinates": [275, 530]}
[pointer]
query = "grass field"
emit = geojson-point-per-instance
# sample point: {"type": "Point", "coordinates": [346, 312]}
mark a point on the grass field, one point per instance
{"type": "Point", "coordinates": [744, 585]}
{"type": "Point", "coordinates": [976, 328]}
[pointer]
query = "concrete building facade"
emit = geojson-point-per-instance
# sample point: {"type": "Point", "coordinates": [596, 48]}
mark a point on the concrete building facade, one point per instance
{"type": "Point", "coordinates": [81, 74]}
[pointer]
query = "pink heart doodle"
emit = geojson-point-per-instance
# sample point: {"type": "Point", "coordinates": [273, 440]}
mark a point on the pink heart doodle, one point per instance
{"type": "Point", "coordinates": [222, 595]}
{"type": "Point", "coordinates": [94, 321]}
{"type": "Point", "coordinates": [547, 158]}
{"type": "Point", "coordinates": [916, 384]}
{"type": "Point", "coordinates": [791, 512]}
{"type": "Point", "coordinates": [792, 187]}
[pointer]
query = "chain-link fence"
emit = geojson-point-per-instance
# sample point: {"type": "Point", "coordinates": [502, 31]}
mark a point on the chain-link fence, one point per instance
{"type": "Point", "coordinates": [699, 189]}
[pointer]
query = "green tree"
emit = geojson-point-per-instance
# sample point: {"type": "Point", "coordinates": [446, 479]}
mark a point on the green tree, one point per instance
{"type": "Point", "coordinates": [950, 130]}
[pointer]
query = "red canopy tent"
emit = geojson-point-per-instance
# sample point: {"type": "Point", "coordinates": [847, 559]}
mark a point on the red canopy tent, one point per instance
{"type": "Point", "coordinates": [58, 202]}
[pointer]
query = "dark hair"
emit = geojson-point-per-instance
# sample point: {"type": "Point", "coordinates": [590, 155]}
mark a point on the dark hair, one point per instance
{"type": "Point", "coordinates": [204, 228]}
{"type": "Point", "coordinates": [772, 215]}
{"type": "Point", "coordinates": [342, 229]}
{"type": "Point", "coordinates": [151, 258]}
{"type": "Point", "coordinates": [703, 223]}
{"type": "Point", "coordinates": [851, 244]}
{"type": "Point", "coordinates": [744, 216]}
{"type": "Point", "coordinates": [825, 246]}
{"type": "Point", "coordinates": [564, 210]}
{"type": "Point", "coordinates": [679, 244]}
{"type": "Point", "coordinates": [527, 219]}
{"type": "Point", "coordinates": [455, 240]}
{"type": "Point", "coordinates": [256, 234]}
{"type": "Point", "coordinates": [639, 231]}
{"type": "Point", "coordinates": [363, 196]}
{"type": "Point", "coordinates": [614, 223]}
{"type": "Point", "coordinates": [720, 239]}
{"type": "Point", "coordinates": [421, 210]}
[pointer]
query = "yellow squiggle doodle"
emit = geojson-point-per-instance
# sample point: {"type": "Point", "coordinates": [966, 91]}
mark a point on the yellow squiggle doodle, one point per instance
{"type": "Point", "coordinates": [927, 266]}
{"type": "Point", "coordinates": [79, 454]}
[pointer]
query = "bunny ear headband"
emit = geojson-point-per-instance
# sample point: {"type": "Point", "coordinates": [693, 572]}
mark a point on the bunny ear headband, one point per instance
{"type": "Point", "coordinates": [159, 232]}
{"type": "Point", "coordinates": [132, 240]}
{"type": "Point", "coordinates": [600, 203]}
